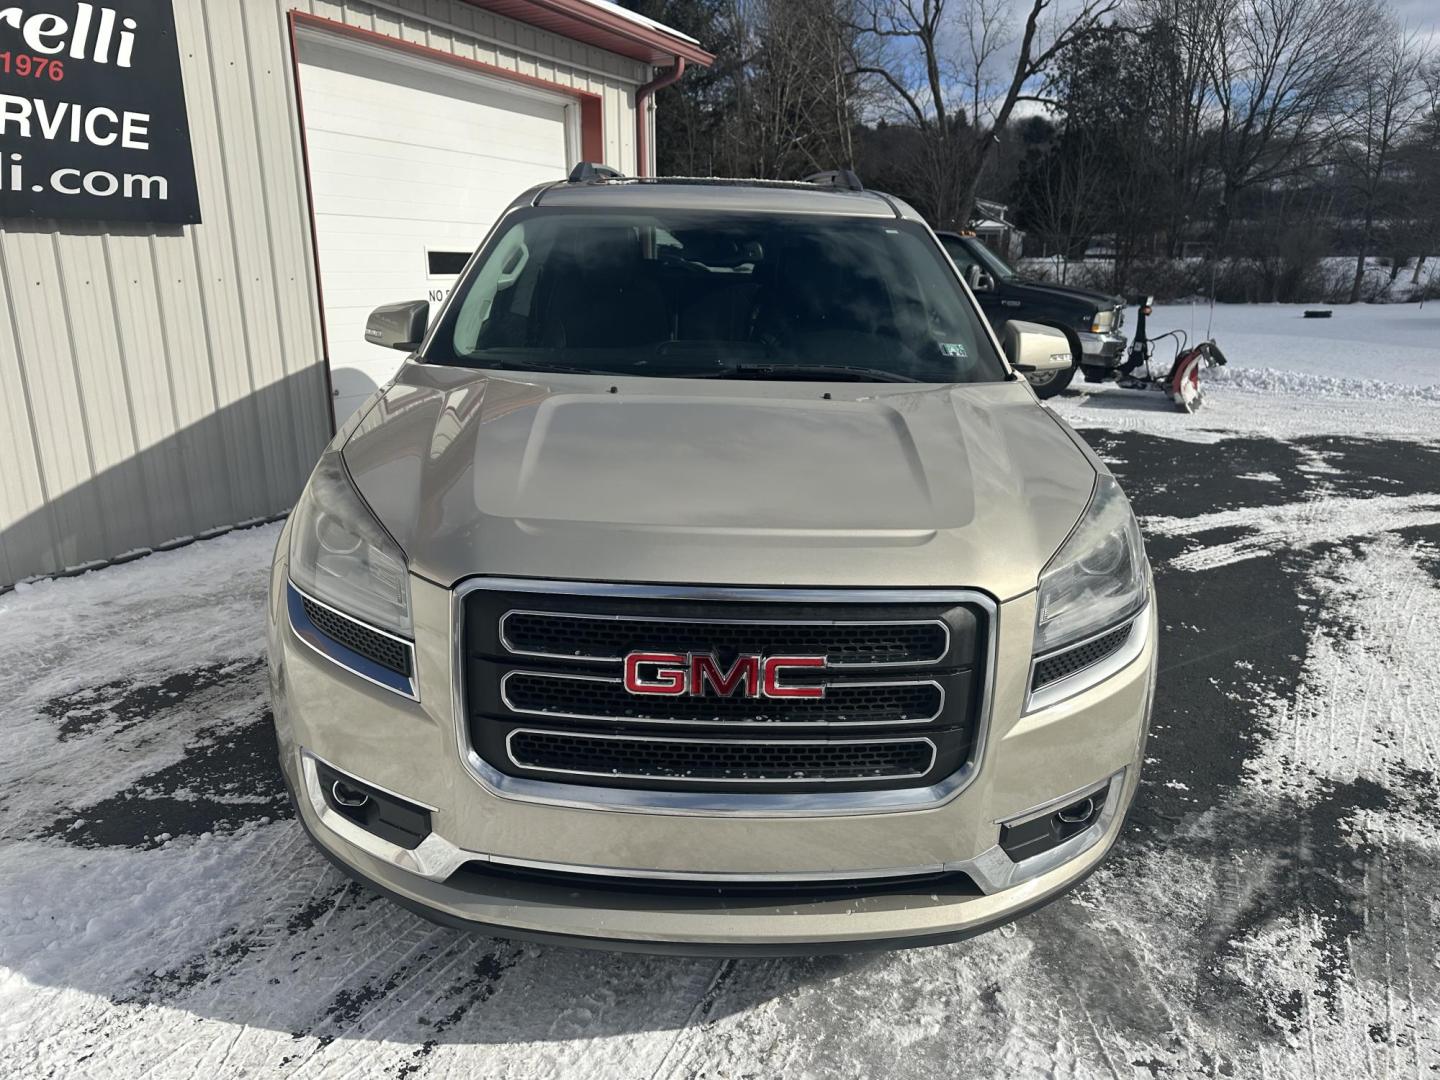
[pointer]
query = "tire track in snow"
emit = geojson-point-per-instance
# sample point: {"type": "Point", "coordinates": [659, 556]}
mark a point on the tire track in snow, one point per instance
{"type": "Point", "coordinates": [1324, 520]}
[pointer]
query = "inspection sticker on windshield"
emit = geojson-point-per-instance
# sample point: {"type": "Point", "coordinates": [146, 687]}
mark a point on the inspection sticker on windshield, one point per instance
{"type": "Point", "coordinates": [953, 348]}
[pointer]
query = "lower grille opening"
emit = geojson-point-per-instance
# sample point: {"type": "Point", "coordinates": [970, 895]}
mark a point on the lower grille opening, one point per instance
{"type": "Point", "coordinates": [941, 885]}
{"type": "Point", "coordinates": [720, 760]}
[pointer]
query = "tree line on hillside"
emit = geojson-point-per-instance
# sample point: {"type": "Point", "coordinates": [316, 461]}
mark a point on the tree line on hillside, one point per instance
{"type": "Point", "coordinates": [1274, 131]}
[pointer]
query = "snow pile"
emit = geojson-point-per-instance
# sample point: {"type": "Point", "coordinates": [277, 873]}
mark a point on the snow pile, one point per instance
{"type": "Point", "coordinates": [1269, 380]}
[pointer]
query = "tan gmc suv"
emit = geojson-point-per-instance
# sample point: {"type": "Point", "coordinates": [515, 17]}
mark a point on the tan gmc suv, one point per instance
{"type": "Point", "coordinates": [707, 580]}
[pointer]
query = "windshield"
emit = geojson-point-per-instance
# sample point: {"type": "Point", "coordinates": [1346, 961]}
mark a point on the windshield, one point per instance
{"type": "Point", "coordinates": [967, 253]}
{"type": "Point", "coordinates": [709, 295]}
{"type": "Point", "coordinates": [996, 265]}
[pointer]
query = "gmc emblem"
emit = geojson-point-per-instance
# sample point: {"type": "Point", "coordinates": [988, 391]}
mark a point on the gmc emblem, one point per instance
{"type": "Point", "coordinates": [693, 673]}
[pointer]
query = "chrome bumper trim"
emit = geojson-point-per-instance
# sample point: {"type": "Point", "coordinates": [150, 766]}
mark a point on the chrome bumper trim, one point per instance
{"type": "Point", "coordinates": [1105, 347]}
{"type": "Point", "coordinates": [993, 870]}
{"type": "Point", "coordinates": [436, 858]}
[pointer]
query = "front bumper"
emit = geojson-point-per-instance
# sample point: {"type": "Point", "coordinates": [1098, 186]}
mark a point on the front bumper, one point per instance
{"type": "Point", "coordinates": [1103, 350]}
{"type": "Point", "coordinates": [1089, 742]}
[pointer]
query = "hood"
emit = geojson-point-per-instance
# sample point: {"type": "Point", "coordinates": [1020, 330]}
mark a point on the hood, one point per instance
{"type": "Point", "coordinates": [718, 482]}
{"type": "Point", "coordinates": [1089, 299]}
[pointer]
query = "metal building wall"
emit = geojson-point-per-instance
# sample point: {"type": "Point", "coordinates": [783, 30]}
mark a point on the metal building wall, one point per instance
{"type": "Point", "coordinates": [159, 382]}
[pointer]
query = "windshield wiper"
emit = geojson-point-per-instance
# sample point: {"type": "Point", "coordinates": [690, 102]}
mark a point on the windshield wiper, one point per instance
{"type": "Point", "coordinates": [537, 369]}
{"type": "Point", "coordinates": [810, 373]}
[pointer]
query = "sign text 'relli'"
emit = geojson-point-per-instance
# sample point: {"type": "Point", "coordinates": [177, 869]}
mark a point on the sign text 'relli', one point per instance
{"type": "Point", "coordinates": [90, 36]}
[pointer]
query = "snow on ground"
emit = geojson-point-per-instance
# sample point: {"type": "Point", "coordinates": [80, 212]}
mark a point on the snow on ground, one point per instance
{"type": "Point", "coordinates": [1379, 343]}
{"type": "Point", "coordinates": [1274, 908]}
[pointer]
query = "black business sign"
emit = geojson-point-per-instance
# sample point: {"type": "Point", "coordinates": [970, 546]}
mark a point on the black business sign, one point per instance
{"type": "Point", "coordinates": [92, 113]}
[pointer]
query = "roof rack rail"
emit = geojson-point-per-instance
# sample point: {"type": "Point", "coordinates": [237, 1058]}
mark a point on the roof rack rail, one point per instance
{"type": "Point", "coordinates": [589, 171]}
{"type": "Point", "coordinates": [837, 178]}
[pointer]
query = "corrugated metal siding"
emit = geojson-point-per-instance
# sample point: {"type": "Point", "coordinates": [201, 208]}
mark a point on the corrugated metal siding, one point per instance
{"type": "Point", "coordinates": [158, 382]}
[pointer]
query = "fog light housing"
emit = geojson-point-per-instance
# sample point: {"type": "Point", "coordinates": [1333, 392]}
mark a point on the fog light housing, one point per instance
{"type": "Point", "coordinates": [1049, 829]}
{"type": "Point", "coordinates": [380, 813]}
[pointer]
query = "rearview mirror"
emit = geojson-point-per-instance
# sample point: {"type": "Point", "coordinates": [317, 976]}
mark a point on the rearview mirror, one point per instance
{"type": "Point", "coordinates": [979, 280]}
{"type": "Point", "coordinates": [1031, 347]}
{"type": "Point", "coordinates": [398, 326]}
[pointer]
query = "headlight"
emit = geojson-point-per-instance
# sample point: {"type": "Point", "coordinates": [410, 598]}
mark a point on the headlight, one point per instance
{"type": "Point", "coordinates": [340, 554]}
{"type": "Point", "coordinates": [1102, 322]}
{"type": "Point", "coordinates": [1097, 579]}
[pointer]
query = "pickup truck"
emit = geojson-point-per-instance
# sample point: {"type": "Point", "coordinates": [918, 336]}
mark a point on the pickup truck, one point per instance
{"type": "Point", "coordinates": [1091, 321]}
{"type": "Point", "coordinates": [710, 580]}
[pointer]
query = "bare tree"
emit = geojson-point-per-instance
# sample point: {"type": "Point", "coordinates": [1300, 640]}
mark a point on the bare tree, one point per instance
{"type": "Point", "coordinates": [1045, 35]}
{"type": "Point", "coordinates": [906, 58]}
{"type": "Point", "coordinates": [787, 100]}
{"type": "Point", "coordinates": [1181, 101]}
{"type": "Point", "coordinates": [960, 104]}
{"type": "Point", "coordinates": [1067, 196]}
{"type": "Point", "coordinates": [1387, 109]}
{"type": "Point", "coordinates": [1279, 73]}
{"type": "Point", "coordinates": [1420, 158]}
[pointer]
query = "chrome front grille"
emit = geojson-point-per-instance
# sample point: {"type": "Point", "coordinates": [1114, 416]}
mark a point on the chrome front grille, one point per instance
{"type": "Point", "coordinates": [569, 635]}
{"type": "Point", "coordinates": [604, 697]}
{"type": "Point", "coordinates": [705, 761]}
{"type": "Point", "coordinates": [545, 698]}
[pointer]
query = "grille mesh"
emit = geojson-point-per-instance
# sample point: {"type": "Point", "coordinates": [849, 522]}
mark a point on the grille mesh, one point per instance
{"type": "Point", "coordinates": [387, 652]}
{"type": "Point", "coordinates": [842, 703]}
{"type": "Point", "coordinates": [565, 635]}
{"type": "Point", "coordinates": [1066, 663]}
{"type": "Point", "coordinates": [725, 761]}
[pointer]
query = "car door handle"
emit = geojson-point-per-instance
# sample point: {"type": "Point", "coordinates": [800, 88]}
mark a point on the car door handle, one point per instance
{"type": "Point", "coordinates": [1009, 303]}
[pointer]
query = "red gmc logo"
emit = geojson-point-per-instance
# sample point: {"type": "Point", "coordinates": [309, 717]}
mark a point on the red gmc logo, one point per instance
{"type": "Point", "coordinates": [699, 673]}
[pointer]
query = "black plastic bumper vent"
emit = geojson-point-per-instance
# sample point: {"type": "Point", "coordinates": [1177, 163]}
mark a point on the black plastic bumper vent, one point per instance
{"type": "Point", "coordinates": [390, 654]}
{"type": "Point", "coordinates": [1061, 665]}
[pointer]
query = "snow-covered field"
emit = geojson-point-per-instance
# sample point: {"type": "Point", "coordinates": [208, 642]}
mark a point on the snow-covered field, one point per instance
{"type": "Point", "coordinates": [1274, 909]}
{"type": "Point", "coordinates": [1360, 343]}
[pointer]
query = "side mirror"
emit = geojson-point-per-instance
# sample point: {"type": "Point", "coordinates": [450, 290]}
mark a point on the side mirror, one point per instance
{"type": "Point", "coordinates": [398, 326]}
{"type": "Point", "coordinates": [1031, 347]}
{"type": "Point", "coordinates": [979, 280]}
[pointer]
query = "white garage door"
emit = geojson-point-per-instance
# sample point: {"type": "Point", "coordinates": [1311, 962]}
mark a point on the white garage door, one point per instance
{"type": "Point", "coordinates": [411, 161]}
